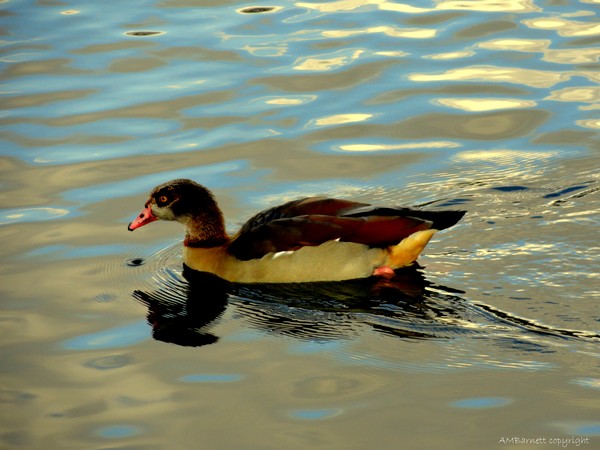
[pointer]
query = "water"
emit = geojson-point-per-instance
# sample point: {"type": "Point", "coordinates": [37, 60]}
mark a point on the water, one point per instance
{"type": "Point", "coordinates": [486, 106]}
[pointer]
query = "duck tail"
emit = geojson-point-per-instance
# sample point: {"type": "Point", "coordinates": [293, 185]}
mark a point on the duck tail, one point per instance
{"type": "Point", "coordinates": [440, 220]}
{"type": "Point", "coordinates": [409, 249]}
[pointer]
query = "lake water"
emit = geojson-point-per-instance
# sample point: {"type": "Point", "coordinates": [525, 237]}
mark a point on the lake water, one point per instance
{"type": "Point", "coordinates": [487, 106]}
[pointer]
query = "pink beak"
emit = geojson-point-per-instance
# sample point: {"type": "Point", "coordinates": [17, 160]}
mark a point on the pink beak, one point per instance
{"type": "Point", "coordinates": [145, 217]}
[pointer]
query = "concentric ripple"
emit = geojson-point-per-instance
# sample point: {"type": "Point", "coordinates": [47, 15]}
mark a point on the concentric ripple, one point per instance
{"type": "Point", "coordinates": [161, 272]}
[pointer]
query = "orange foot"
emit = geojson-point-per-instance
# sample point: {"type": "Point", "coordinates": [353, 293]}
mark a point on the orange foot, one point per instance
{"type": "Point", "coordinates": [384, 271]}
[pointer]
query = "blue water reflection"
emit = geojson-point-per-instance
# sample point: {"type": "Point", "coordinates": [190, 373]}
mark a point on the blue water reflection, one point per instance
{"type": "Point", "coordinates": [118, 431]}
{"type": "Point", "coordinates": [481, 402]}
{"type": "Point", "coordinates": [19, 215]}
{"type": "Point", "coordinates": [212, 378]}
{"type": "Point", "coordinates": [219, 175]}
{"type": "Point", "coordinates": [315, 414]}
{"type": "Point", "coordinates": [118, 337]}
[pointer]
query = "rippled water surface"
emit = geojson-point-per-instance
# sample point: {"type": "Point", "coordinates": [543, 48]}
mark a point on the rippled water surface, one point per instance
{"type": "Point", "coordinates": [487, 106]}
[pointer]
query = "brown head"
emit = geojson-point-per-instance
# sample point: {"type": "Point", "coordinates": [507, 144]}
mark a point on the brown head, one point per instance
{"type": "Point", "coordinates": [189, 203]}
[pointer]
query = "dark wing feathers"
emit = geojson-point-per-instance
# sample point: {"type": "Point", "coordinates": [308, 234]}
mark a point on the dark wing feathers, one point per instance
{"type": "Point", "coordinates": [313, 221]}
{"type": "Point", "coordinates": [282, 235]}
{"type": "Point", "coordinates": [302, 207]}
{"type": "Point", "coordinates": [382, 231]}
{"type": "Point", "coordinates": [440, 220]}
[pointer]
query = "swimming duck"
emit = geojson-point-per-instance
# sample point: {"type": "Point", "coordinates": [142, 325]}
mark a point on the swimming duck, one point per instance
{"type": "Point", "coordinates": [305, 240]}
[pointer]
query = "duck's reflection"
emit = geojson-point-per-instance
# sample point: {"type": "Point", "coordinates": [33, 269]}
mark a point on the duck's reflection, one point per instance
{"type": "Point", "coordinates": [405, 305]}
{"type": "Point", "coordinates": [182, 313]}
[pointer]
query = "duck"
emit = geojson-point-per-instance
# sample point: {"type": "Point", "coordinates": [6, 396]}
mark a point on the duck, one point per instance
{"type": "Point", "coordinates": [310, 239]}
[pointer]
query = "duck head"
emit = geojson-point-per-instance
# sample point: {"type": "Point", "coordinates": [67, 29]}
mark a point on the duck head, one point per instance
{"type": "Point", "coordinates": [187, 202]}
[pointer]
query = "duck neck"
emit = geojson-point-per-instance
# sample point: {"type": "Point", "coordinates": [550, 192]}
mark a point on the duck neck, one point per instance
{"type": "Point", "coordinates": [205, 231]}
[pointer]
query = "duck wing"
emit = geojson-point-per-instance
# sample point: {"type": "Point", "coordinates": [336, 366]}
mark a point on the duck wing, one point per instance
{"type": "Point", "coordinates": [315, 220]}
{"type": "Point", "coordinates": [302, 207]}
{"type": "Point", "coordinates": [440, 220]}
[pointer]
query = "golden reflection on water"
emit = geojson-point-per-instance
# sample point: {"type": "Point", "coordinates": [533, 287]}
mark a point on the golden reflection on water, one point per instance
{"type": "Point", "coordinates": [451, 55]}
{"type": "Point", "coordinates": [401, 7]}
{"type": "Point", "coordinates": [513, 249]}
{"type": "Point", "coordinates": [342, 5]}
{"type": "Point", "coordinates": [266, 50]}
{"type": "Point", "coordinates": [490, 5]}
{"type": "Point", "coordinates": [503, 156]}
{"type": "Point", "coordinates": [589, 123]}
{"type": "Point", "coordinates": [573, 56]}
{"type": "Point", "coordinates": [415, 33]}
{"type": "Point", "coordinates": [563, 56]}
{"type": "Point", "coordinates": [408, 146]}
{"type": "Point", "coordinates": [395, 54]}
{"type": "Point", "coordinates": [564, 27]}
{"type": "Point", "coordinates": [485, 104]}
{"type": "Point", "coordinates": [341, 118]}
{"type": "Point", "coordinates": [289, 101]}
{"type": "Point", "coordinates": [325, 64]}
{"type": "Point", "coordinates": [528, 77]}
{"type": "Point", "coordinates": [186, 85]}
{"type": "Point", "coordinates": [518, 45]}
{"type": "Point", "coordinates": [472, 5]}
{"type": "Point", "coordinates": [587, 94]}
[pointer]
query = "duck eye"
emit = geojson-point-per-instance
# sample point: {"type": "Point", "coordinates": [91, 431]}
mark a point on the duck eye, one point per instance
{"type": "Point", "coordinates": [163, 199]}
